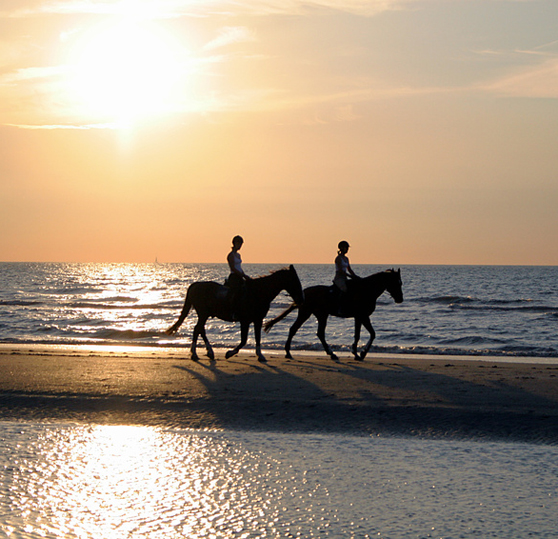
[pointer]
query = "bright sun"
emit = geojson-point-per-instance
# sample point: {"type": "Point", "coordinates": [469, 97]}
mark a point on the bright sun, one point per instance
{"type": "Point", "coordinates": [126, 72]}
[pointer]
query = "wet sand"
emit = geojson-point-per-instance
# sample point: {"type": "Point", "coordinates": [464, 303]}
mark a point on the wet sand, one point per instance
{"type": "Point", "coordinates": [445, 397]}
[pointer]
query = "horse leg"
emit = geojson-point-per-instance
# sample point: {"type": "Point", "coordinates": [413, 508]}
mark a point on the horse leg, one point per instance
{"type": "Point", "coordinates": [354, 348]}
{"type": "Point", "coordinates": [244, 326]}
{"type": "Point", "coordinates": [301, 318]}
{"type": "Point", "coordinates": [198, 329]}
{"type": "Point", "coordinates": [322, 322]}
{"type": "Point", "coordinates": [208, 347]}
{"type": "Point", "coordinates": [258, 337]}
{"type": "Point", "coordinates": [368, 326]}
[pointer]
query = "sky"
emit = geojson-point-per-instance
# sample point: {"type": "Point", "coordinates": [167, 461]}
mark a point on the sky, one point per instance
{"type": "Point", "coordinates": [421, 131]}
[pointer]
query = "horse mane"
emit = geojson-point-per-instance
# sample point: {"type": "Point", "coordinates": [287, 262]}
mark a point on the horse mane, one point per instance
{"type": "Point", "coordinates": [271, 273]}
{"type": "Point", "coordinates": [377, 274]}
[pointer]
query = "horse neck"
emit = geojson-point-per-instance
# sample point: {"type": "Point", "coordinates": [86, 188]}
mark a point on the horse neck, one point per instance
{"type": "Point", "coordinates": [375, 285]}
{"type": "Point", "coordinates": [270, 285]}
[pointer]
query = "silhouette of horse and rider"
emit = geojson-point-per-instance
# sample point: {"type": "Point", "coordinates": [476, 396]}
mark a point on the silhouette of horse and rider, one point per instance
{"type": "Point", "coordinates": [247, 300]}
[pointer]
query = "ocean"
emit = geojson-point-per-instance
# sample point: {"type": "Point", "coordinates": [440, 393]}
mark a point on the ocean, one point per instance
{"type": "Point", "coordinates": [506, 311]}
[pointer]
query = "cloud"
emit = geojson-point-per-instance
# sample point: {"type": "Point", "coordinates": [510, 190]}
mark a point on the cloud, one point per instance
{"type": "Point", "coordinates": [540, 81]}
{"type": "Point", "coordinates": [201, 8]}
{"type": "Point", "coordinates": [67, 126]}
{"type": "Point", "coordinates": [32, 73]}
{"type": "Point", "coordinates": [230, 35]}
{"type": "Point", "coordinates": [174, 8]}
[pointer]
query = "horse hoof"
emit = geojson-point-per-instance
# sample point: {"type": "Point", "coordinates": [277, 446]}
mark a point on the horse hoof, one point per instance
{"type": "Point", "coordinates": [288, 356]}
{"type": "Point", "coordinates": [334, 357]}
{"type": "Point", "coordinates": [262, 359]}
{"type": "Point", "coordinates": [194, 357]}
{"type": "Point", "coordinates": [229, 354]}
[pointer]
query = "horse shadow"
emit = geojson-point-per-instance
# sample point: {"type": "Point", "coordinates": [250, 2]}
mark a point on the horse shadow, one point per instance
{"type": "Point", "coordinates": [271, 398]}
{"type": "Point", "coordinates": [446, 388]}
{"type": "Point", "coordinates": [457, 407]}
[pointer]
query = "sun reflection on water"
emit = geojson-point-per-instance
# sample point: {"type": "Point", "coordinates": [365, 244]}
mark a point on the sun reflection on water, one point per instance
{"type": "Point", "coordinates": [119, 481]}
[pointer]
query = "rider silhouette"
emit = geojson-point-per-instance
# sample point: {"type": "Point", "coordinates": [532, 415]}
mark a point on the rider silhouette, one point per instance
{"type": "Point", "coordinates": [343, 271]}
{"type": "Point", "coordinates": [237, 278]}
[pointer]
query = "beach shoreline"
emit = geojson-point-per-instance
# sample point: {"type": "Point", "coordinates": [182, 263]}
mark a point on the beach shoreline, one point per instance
{"type": "Point", "coordinates": [436, 396]}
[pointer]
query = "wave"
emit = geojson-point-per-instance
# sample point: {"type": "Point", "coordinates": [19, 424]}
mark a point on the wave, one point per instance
{"type": "Point", "coordinates": [519, 308]}
{"type": "Point", "coordinates": [123, 306]}
{"type": "Point", "coordinates": [446, 300]}
{"type": "Point", "coordinates": [504, 351]}
{"type": "Point", "coordinates": [158, 339]}
{"type": "Point", "coordinates": [20, 303]}
{"type": "Point", "coordinates": [472, 340]}
{"type": "Point", "coordinates": [471, 303]}
{"type": "Point", "coordinates": [119, 303]}
{"type": "Point", "coordinates": [127, 334]}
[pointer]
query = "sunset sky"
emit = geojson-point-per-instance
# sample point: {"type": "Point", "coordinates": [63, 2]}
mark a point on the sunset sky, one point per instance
{"type": "Point", "coordinates": [421, 131]}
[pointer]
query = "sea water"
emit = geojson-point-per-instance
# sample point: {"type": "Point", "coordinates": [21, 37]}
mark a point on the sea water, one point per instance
{"type": "Point", "coordinates": [509, 311]}
{"type": "Point", "coordinates": [112, 482]}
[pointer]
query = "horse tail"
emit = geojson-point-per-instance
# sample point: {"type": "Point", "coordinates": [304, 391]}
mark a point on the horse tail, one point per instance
{"type": "Point", "coordinates": [185, 310]}
{"type": "Point", "coordinates": [270, 323]}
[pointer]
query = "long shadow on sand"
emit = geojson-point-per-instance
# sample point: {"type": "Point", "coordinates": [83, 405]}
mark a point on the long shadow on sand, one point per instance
{"type": "Point", "coordinates": [271, 398]}
{"type": "Point", "coordinates": [304, 396]}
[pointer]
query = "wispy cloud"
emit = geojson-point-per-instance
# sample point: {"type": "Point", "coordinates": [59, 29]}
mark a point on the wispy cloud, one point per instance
{"type": "Point", "coordinates": [200, 8]}
{"type": "Point", "coordinates": [540, 81]}
{"type": "Point", "coordinates": [32, 73]}
{"type": "Point", "coordinates": [173, 8]}
{"type": "Point", "coordinates": [68, 126]}
{"type": "Point", "coordinates": [230, 35]}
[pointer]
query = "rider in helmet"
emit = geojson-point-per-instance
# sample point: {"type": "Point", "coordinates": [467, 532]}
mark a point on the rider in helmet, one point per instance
{"type": "Point", "coordinates": [342, 267]}
{"type": "Point", "coordinates": [237, 278]}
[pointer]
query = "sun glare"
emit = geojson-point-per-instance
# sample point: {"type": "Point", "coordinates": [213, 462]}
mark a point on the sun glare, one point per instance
{"type": "Point", "coordinates": [126, 72]}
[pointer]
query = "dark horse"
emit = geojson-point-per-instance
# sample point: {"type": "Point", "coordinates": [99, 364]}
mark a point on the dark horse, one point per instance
{"type": "Point", "coordinates": [358, 302]}
{"type": "Point", "coordinates": [210, 299]}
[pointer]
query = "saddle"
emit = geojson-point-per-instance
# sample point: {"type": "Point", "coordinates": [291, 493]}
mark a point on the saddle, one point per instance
{"type": "Point", "coordinates": [223, 292]}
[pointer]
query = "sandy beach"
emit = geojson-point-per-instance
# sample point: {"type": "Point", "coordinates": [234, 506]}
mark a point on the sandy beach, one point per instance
{"type": "Point", "coordinates": [385, 395]}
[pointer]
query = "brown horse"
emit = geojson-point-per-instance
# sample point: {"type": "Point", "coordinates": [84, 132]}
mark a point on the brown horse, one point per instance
{"type": "Point", "coordinates": [358, 302]}
{"type": "Point", "coordinates": [211, 299]}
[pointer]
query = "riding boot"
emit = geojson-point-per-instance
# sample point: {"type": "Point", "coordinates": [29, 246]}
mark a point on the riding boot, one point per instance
{"type": "Point", "coordinates": [234, 308]}
{"type": "Point", "coordinates": [235, 284]}
{"type": "Point", "coordinates": [337, 300]}
{"type": "Point", "coordinates": [342, 309]}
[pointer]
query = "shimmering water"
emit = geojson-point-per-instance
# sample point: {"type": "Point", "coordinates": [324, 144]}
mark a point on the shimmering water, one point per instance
{"type": "Point", "coordinates": [64, 481]}
{"type": "Point", "coordinates": [471, 310]}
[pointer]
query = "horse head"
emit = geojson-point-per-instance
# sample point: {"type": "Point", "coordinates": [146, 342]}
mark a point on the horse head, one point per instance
{"type": "Point", "coordinates": [394, 285]}
{"type": "Point", "coordinates": [293, 286]}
